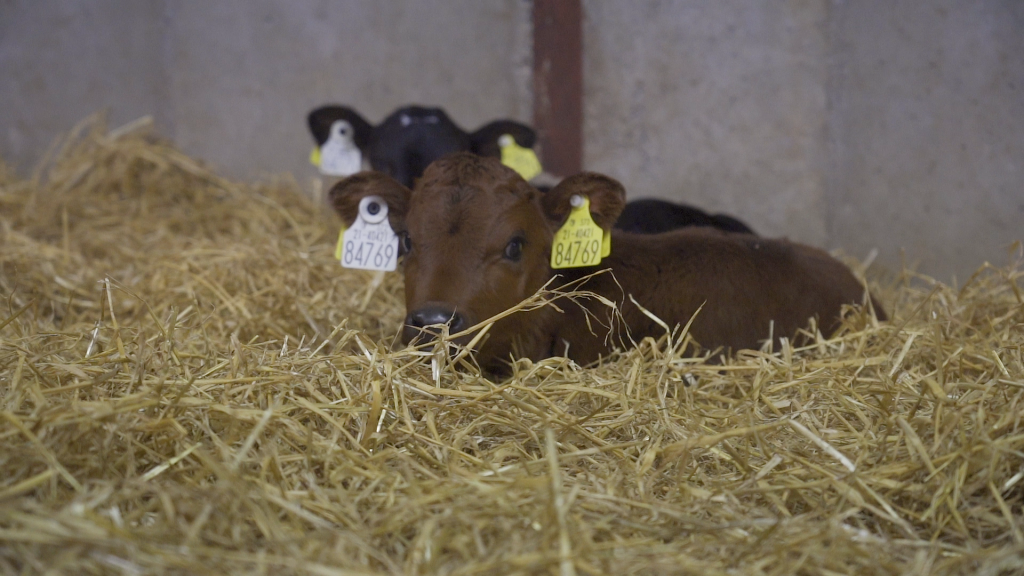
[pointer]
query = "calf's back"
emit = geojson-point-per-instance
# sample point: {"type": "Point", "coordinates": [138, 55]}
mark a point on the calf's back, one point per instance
{"type": "Point", "coordinates": [749, 288]}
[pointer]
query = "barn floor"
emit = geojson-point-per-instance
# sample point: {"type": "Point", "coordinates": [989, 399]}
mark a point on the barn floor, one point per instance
{"type": "Point", "coordinates": [189, 384]}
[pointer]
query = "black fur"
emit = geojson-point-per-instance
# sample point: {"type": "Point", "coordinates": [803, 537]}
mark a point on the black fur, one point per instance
{"type": "Point", "coordinates": [651, 216]}
{"type": "Point", "coordinates": [412, 137]}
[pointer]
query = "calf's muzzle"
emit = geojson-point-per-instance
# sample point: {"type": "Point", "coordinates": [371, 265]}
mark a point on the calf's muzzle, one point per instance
{"type": "Point", "coordinates": [423, 323]}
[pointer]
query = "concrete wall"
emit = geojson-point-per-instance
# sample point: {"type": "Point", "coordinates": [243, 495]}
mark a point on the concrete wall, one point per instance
{"type": "Point", "coordinates": [855, 124]}
{"type": "Point", "coordinates": [926, 130]}
{"type": "Point", "coordinates": [860, 124]}
{"type": "Point", "coordinates": [231, 81]}
{"type": "Point", "coordinates": [62, 61]}
{"type": "Point", "coordinates": [721, 104]}
{"type": "Point", "coordinates": [245, 73]}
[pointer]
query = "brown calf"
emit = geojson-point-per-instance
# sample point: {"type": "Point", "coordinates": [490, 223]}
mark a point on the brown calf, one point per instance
{"type": "Point", "coordinates": [477, 240]}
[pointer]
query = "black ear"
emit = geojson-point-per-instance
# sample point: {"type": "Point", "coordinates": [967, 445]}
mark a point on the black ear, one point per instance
{"type": "Point", "coordinates": [484, 142]}
{"type": "Point", "coordinates": [345, 196]}
{"type": "Point", "coordinates": [320, 121]}
{"type": "Point", "coordinates": [607, 198]}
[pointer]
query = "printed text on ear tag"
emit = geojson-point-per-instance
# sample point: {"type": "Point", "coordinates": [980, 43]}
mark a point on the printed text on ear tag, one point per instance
{"type": "Point", "coordinates": [522, 160]}
{"type": "Point", "coordinates": [579, 241]}
{"type": "Point", "coordinates": [370, 243]}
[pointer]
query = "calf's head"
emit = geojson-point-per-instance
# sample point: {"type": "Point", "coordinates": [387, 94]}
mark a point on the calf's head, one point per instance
{"type": "Point", "coordinates": [411, 138]}
{"type": "Point", "coordinates": [476, 240]}
{"type": "Point", "coordinates": [324, 118]}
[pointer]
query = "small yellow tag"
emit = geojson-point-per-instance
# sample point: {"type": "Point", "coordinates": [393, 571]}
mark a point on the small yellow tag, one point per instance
{"type": "Point", "coordinates": [341, 243]}
{"type": "Point", "coordinates": [606, 244]}
{"type": "Point", "coordinates": [579, 242]}
{"type": "Point", "coordinates": [522, 160]}
{"type": "Point", "coordinates": [314, 156]}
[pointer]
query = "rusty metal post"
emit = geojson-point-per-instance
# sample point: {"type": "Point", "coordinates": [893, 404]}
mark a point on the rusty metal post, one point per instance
{"type": "Point", "coordinates": [558, 84]}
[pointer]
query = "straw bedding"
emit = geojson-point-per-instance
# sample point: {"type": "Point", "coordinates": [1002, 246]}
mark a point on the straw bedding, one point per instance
{"type": "Point", "coordinates": [189, 384]}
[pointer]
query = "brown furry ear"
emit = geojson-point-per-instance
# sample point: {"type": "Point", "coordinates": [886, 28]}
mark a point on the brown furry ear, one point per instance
{"type": "Point", "coordinates": [607, 198]}
{"type": "Point", "coordinates": [345, 196]}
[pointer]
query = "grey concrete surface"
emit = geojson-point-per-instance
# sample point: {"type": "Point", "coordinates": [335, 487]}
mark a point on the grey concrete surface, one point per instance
{"type": "Point", "coordinates": [853, 124]}
{"type": "Point", "coordinates": [244, 73]}
{"type": "Point", "coordinates": [62, 61]}
{"type": "Point", "coordinates": [231, 81]}
{"type": "Point", "coordinates": [926, 131]}
{"type": "Point", "coordinates": [719, 104]}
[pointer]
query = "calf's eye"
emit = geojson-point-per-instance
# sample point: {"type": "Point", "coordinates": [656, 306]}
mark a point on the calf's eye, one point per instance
{"type": "Point", "coordinates": [405, 243]}
{"type": "Point", "coordinates": [514, 249]}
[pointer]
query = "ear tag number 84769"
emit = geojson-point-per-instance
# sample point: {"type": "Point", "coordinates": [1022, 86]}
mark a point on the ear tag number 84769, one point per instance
{"type": "Point", "coordinates": [579, 242]}
{"type": "Point", "coordinates": [370, 244]}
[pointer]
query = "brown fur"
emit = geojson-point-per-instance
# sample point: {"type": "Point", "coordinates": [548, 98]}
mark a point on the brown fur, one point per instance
{"type": "Point", "coordinates": [466, 209]}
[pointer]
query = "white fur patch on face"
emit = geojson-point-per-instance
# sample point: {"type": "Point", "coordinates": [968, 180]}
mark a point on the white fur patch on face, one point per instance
{"type": "Point", "coordinates": [340, 156]}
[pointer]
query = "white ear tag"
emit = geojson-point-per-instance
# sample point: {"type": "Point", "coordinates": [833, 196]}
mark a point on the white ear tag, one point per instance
{"type": "Point", "coordinates": [370, 244]}
{"type": "Point", "coordinates": [340, 156]}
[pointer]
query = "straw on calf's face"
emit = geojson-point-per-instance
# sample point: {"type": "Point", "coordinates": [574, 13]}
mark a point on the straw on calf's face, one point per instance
{"type": "Point", "coordinates": [477, 241]}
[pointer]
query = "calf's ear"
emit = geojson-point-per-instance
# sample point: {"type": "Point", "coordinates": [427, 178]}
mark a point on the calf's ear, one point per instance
{"type": "Point", "coordinates": [484, 142]}
{"type": "Point", "coordinates": [607, 198]}
{"type": "Point", "coordinates": [320, 120]}
{"type": "Point", "coordinates": [346, 194]}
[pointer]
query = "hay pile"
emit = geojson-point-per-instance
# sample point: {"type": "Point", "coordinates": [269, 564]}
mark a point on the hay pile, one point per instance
{"type": "Point", "coordinates": [190, 385]}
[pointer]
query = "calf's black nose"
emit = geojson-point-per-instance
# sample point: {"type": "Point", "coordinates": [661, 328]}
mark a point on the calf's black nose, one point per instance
{"type": "Point", "coordinates": [417, 321]}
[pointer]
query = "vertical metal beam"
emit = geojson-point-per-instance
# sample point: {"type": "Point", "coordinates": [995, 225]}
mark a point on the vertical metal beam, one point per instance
{"type": "Point", "coordinates": [558, 84]}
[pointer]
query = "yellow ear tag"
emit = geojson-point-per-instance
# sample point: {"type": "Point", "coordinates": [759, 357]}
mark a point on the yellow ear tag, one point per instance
{"type": "Point", "coordinates": [522, 160]}
{"type": "Point", "coordinates": [606, 244]}
{"type": "Point", "coordinates": [314, 156]}
{"type": "Point", "coordinates": [341, 243]}
{"type": "Point", "coordinates": [579, 242]}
